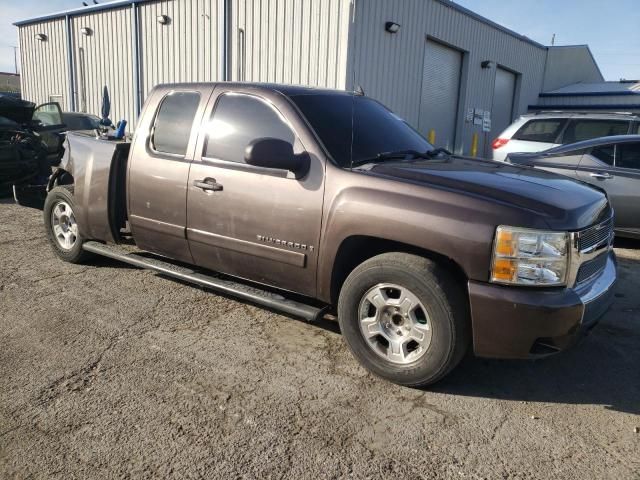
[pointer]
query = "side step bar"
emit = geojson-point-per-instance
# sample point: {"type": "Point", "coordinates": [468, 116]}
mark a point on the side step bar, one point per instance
{"type": "Point", "coordinates": [242, 291]}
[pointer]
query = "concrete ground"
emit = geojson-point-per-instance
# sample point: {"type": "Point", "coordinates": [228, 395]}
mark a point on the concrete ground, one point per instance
{"type": "Point", "coordinates": [112, 372]}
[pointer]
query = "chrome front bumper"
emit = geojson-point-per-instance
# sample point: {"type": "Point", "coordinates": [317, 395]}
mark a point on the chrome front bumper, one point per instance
{"type": "Point", "coordinates": [597, 295]}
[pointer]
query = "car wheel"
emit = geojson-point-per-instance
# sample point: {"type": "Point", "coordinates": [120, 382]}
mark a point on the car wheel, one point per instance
{"type": "Point", "coordinates": [404, 318]}
{"type": "Point", "coordinates": [62, 227]}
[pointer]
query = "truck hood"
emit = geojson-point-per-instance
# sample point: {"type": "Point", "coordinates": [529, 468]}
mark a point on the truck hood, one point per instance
{"type": "Point", "coordinates": [565, 204]}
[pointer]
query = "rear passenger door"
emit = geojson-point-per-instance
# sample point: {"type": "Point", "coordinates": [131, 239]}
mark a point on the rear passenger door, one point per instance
{"type": "Point", "coordinates": [616, 169]}
{"type": "Point", "coordinates": [626, 186]}
{"type": "Point", "coordinates": [258, 223]}
{"type": "Point", "coordinates": [159, 170]}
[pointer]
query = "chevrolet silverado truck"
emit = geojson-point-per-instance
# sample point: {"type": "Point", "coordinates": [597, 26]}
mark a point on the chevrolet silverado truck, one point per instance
{"type": "Point", "coordinates": [311, 201]}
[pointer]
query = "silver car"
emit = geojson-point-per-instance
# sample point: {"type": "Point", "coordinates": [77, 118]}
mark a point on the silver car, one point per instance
{"type": "Point", "coordinates": [541, 131]}
{"type": "Point", "coordinates": [610, 163]}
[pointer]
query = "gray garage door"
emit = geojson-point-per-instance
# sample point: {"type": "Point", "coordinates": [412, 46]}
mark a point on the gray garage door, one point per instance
{"type": "Point", "coordinates": [503, 95]}
{"type": "Point", "coordinates": [440, 93]}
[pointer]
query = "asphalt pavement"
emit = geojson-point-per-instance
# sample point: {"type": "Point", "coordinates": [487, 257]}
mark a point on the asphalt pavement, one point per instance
{"type": "Point", "coordinates": [108, 371]}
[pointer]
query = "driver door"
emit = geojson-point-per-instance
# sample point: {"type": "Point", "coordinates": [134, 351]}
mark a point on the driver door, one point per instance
{"type": "Point", "coordinates": [262, 224]}
{"type": "Point", "coordinates": [47, 121]}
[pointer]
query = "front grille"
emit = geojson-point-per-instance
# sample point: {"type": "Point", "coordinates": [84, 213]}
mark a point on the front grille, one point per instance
{"type": "Point", "coordinates": [591, 267]}
{"type": "Point", "coordinates": [595, 235]}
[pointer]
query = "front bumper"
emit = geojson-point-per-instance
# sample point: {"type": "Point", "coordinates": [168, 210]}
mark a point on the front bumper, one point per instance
{"type": "Point", "coordinates": [512, 322]}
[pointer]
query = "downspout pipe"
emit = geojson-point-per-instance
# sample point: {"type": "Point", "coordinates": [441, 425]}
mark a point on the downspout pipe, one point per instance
{"type": "Point", "coordinates": [70, 65]}
{"type": "Point", "coordinates": [135, 42]}
{"type": "Point", "coordinates": [224, 40]}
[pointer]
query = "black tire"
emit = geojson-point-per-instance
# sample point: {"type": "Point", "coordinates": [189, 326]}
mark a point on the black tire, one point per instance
{"type": "Point", "coordinates": [74, 254]}
{"type": "Point", "coordinates": [445, 303]}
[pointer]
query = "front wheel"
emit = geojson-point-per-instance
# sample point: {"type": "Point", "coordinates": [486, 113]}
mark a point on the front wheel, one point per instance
{"type": "Point", "coordinates": [61, 225]}
{"type": "Point", "coordinates": [404, 318]}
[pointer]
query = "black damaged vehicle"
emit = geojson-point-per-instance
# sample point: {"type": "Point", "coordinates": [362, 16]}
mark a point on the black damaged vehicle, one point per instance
{"type": "Point", "coordinates": [30, 144]}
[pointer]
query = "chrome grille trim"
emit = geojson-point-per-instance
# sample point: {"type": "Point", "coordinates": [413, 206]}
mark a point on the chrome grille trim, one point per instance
{"type": "Point", "coordinates": [595, 235]}
{"type": "Point", "coordinates": [586, 246]}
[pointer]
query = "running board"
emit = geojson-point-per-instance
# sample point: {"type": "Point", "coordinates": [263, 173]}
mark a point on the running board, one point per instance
{"type": "Point", "coordinates": [242, 291]}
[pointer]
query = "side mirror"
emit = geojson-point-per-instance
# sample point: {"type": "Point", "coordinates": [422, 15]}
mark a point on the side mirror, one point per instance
{"type": "Point", "coordinates": [274, 153]}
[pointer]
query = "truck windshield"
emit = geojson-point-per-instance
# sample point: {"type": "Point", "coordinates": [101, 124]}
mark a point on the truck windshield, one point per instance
{"type": "Point", "coordinates": [374, 129]}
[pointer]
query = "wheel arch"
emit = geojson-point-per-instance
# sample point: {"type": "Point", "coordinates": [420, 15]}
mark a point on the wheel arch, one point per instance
{"type": "Point", "coordinates": [356, 249]}
{"type": "Point", "coordinates": [60, 177]}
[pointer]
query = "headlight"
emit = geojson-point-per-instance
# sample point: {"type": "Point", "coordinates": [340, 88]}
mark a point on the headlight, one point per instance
{"type": "Point", "coordinates": [529, 257]}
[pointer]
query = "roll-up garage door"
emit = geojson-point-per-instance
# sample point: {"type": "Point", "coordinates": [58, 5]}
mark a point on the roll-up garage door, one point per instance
{"type": "Point", "coordinates": [440, 93]}
{"type": "Point", "coordinates": [503, 95]}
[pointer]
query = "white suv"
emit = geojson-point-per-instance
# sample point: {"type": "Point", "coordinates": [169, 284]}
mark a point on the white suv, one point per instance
{"type": "Point", "coordinates": [538, 132]}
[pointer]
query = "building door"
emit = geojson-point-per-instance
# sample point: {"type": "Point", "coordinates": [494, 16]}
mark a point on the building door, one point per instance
{"type": "Point", "coordinates": [504, 91]}
{"type": "Point", "coordinates": [440, 92]}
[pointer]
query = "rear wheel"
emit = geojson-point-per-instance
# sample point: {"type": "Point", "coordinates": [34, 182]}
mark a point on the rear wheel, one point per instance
{"type": "Point", "coordinates": [62, 226]}
{"type": "Point", "coordinates": [404, 318]}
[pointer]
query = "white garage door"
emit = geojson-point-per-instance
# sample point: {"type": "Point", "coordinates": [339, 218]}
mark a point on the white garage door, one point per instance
{"type": "Point", "coordinates": [503, 95]}
{"type": "Point", "coordinates": [440, 93]}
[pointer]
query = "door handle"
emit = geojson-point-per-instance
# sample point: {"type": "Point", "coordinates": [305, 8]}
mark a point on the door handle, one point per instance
{"type": "Point", "coordinates": [601, 176]}
{"type": "Point", "coordinates": [208, 184]}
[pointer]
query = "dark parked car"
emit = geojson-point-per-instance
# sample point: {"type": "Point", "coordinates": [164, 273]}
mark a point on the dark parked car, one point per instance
{"type": "Point", "coordinates": [80, 121]}
{"type": "Point", "coordinates": [325, 199]}
{"type": "Point", "coordinates": [610, 163]}
{"type": "Point", "coordinates": [30, 140]}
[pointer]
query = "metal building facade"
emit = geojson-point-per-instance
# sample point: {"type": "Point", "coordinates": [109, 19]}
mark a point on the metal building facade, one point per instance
{"type": "Point", "coordinates": [188, 48]}
{"type": "Point", "coordinates": [389, 67]}
{"type": "Point", "coordinates": [132, 45]}
{"type": "Point", "coordinates": [102, 55]}
{"type": "Point", "coordinates": [43, 59]}
{"type": "Point", "coordinates": [290, 41]}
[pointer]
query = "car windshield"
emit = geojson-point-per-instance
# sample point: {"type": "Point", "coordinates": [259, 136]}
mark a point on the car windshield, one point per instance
{"type": "Point", "coordinates": [374, 129]}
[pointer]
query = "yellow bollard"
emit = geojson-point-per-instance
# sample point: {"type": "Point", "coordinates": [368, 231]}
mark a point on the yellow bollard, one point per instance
{"type": "Point", "coordinates": [474, 145]}
{"type": "Point", "coordinates": [432, 137]}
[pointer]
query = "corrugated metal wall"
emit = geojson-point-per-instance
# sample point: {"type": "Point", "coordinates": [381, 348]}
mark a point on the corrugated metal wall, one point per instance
{"type": "Point", "coordinates": [389, 66]}
{"type": "Point", "coordinates": [187, 49]}
{"type": "Point", "coordinates": [570, 64]}
{"type": "Point", "coordinates": [44, 64]}
{"type": "Point", "coordinates": [104, 58]}
{"type": "Point", "coordinates": [312, 42]}
{"type": "Point", "coordinates": [290, 41]}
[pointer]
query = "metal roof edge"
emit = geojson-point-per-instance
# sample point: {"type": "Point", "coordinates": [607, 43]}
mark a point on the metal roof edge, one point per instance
{"type": "Point", "coordinates": [78, 11]}
{"type": "Point", "coordinates": [612, 108]}
{"type": "Point", "coordinates": [588, 94]}
{"type": "Point", "coordinates": [477, 16]}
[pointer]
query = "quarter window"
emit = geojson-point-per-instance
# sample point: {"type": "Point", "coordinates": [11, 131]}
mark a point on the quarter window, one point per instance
{"type": "Point", "coordinates": [239, 119]}
{"type": "Point", "coordinates": [174, 121]}
{"type": "Point", "coordinates": [628, 155]}
{"type": "Point", "coordinates": [579, 130]}
{"type": "Point", "coordinates": [546, 131]}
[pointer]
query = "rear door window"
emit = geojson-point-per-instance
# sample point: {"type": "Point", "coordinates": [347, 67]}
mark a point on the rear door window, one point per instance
{"type": "Point", "coordinates": [628, 156]}
{"type": "Point", "coordinates": [585, 129]}
{"type": "Point", "coordinates": [172, 127]}
{"type": "Point", "coordinates": [604, 153]}
{"type": "Point", "coordinates": [542, 130]}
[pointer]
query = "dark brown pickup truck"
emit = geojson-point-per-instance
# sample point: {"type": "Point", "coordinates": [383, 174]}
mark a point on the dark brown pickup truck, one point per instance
{"type": "Point", "coordinates": [306, 200]}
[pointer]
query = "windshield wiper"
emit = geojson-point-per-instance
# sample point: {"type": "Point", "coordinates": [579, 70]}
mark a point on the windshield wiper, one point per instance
{"type": "Point", "coordinates": [402, 154]}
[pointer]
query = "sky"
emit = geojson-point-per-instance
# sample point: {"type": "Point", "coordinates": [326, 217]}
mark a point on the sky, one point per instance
{"type": "Point", "coordinates": [610, 27]}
